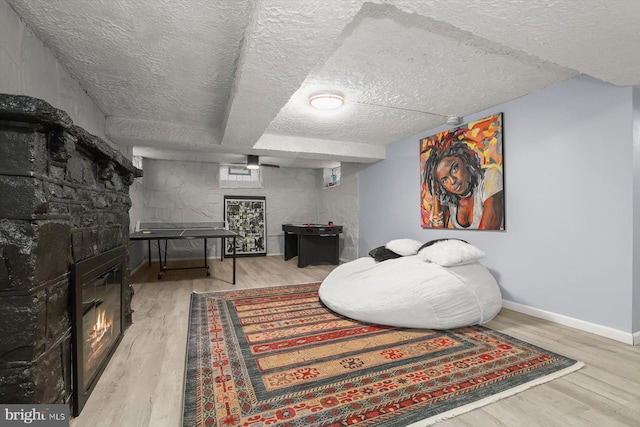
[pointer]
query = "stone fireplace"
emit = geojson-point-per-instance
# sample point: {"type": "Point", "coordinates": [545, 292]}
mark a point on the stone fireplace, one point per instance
{"type": "Point", "coordinates": [64, 199]}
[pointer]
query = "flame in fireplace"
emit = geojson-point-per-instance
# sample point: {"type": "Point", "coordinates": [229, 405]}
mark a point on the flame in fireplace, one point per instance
{"type": "Point", "coordinates": [101, 328]}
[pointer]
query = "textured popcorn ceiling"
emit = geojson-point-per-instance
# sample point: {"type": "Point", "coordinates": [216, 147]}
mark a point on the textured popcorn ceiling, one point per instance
{"type": "Point", "coordinates": [214, 80]}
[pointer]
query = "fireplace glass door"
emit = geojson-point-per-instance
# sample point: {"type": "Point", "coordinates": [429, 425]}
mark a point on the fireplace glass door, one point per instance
{"type": "Point", "coordinates": [98, 319]}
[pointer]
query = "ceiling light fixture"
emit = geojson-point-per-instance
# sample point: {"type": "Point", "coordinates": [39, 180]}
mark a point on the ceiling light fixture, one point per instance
{"type": "Point", "coordinates": [454, 120]}
{"type": "Point", "coordinates": [326, 101]}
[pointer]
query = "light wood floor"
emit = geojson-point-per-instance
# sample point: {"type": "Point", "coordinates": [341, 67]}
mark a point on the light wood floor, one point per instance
{"type": "Point", "coordinates": [142, 385]}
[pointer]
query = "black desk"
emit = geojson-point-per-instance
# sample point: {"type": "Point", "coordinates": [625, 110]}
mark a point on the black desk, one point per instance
{"type": "Point", "coordinates": [312, 243]}
{"type": "Point", "coordinates": [158, 234]}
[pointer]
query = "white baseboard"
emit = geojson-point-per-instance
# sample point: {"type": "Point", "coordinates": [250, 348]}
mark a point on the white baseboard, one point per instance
{"type": "Point", "coordinates": [603, 331]}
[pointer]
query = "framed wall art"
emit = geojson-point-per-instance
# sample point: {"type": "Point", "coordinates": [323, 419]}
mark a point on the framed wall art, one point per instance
{"type": "Point", "coordinates": [461, 177]}
{"type": "Point", "coordinates": [247, 216]}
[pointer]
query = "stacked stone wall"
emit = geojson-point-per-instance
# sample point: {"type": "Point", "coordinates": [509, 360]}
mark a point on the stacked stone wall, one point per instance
{"type": "Point", "coordinates": [64, 198]}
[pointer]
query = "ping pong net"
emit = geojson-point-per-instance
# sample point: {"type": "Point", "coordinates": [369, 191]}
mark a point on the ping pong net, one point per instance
{"type": "Point", "coordinates": [175, 226]}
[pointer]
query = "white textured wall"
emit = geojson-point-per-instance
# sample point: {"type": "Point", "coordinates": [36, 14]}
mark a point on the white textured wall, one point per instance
{"type": "Point", "coordinates": [568, 244]}
{"type": "Point", "coordinates": [189, 191]}
{"type": "Point", "coordinates": [340, 205]}
{"type": "Point", "coordinates": [29, 67]}
{"type": "Point", "coordinates": [137, 251]}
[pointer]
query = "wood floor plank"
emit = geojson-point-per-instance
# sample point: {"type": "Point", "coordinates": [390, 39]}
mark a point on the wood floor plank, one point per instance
{"type": "Point", "coordinates": [142, 386]}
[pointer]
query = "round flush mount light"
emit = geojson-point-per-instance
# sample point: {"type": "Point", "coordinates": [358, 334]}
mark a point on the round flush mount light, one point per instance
{"type": "Point", "coordinates": [454, 120]}
{"type": "Point", "coordinates": [326, 101]}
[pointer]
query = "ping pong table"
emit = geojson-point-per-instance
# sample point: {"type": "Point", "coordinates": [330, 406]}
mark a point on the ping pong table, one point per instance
{"type": "Point", "coordinates": [184, 230]}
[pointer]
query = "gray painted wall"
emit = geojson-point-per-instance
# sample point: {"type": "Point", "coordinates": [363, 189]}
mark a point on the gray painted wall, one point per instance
{"type": "Point", "coordinates": [190, 191]}
{"type": "Point", "coordinates": [340, 205]}
{"type": "Point", "coordinates": [569, 179]}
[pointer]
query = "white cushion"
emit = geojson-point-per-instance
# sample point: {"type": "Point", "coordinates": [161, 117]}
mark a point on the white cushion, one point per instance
{"type": "Point", "coordinates": [404, 247]}
{"type": "Point", "coordinates": [448, 253]}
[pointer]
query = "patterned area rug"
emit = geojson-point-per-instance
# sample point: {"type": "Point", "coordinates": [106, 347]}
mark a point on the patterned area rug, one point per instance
{"type": "Point", "coordinates": [277, 357]}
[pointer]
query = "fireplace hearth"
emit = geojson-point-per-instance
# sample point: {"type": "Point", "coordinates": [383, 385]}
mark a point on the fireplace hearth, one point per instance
{"type": "Point", "coordinates": [65, 202]}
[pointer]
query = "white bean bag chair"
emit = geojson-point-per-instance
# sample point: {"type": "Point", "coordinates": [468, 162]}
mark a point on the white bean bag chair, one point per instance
{"type": "Point", "coordinates": [431, 289]}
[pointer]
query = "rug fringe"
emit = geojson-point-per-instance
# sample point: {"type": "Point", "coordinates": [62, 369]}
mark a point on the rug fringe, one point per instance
{"type": "Point", "coordinates": [491, 399]}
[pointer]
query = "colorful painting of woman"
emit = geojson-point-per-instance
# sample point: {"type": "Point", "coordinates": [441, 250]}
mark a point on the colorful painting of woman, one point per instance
{"type": "Point", "coordinates": [462, 177]}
